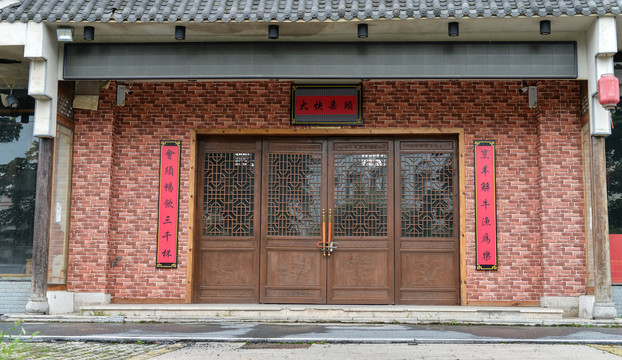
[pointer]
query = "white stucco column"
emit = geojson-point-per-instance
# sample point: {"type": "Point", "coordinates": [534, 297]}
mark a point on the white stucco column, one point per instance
{"type": "Point", "coordinates": [43, 51]}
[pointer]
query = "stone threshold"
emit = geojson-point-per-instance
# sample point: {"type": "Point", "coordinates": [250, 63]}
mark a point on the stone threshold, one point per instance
{"type": "Point", "coordinates": [384, 314]}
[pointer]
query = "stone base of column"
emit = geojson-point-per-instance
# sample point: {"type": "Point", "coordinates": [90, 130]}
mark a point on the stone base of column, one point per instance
{"type": "Point", "coordinates": [604, 310]}
{"type": "Point", "coordinates": [39, 305]}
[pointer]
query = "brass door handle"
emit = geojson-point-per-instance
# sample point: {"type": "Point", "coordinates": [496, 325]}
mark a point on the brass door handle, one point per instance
{"type": "Point", "coordinates": [330, 232]}
{"type": "Point", "coordinates": [323, 247]}
{"type": "Point", "coordinates": [327, 247]}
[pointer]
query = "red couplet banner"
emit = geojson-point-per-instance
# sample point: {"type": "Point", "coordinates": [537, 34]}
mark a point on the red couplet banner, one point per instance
{"type": "Point", "coordinates": [615, 247]}
{"type": "Point", "coordinates": [485, 205]}
{"type": "Point", "coordinates": [168, 204]}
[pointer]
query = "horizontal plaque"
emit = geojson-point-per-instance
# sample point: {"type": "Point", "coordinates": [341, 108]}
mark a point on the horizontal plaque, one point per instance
{"type": "Point", "coordinates": [326, 105]}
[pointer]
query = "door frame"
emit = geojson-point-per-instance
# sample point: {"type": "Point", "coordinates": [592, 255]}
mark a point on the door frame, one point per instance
{"type": "Point", "coordinates": [191, 275]}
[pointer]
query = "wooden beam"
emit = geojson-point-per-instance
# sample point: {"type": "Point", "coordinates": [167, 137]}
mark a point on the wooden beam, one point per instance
{"type": "Point", "coordinates": [332, 131]}
{"type": "Point", "coordinates": [192, 204]}
{"type": "Point", "coordinates": [38, 303]}
{"type": "Point", "coordinates": [463, 239]}
{"type": "Point", "coordinates": [586, 148]}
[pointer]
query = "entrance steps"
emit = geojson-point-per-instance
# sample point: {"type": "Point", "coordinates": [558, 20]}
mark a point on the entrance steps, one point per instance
{"type": "Point", "coordinates": [198, 313]}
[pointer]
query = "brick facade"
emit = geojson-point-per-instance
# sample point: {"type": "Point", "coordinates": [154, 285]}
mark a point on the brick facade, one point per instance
{"type": "Point", "coordinates": [541, 235]}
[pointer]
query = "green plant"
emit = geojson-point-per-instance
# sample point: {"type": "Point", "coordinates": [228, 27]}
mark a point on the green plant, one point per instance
{"type": "Point", "coordinates": [11, 344]}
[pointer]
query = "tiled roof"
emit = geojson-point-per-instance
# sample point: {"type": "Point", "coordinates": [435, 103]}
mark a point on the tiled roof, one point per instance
{"type": "Point", "coordinates": [292, 10]}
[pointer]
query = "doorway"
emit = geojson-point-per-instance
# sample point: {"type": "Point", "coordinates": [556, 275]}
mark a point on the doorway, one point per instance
{"type": "Point", "coordinates": [328, 220]}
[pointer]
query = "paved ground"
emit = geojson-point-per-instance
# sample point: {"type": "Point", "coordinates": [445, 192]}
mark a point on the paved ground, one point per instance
{"type": "Point", "coordinates": [329, 333]}
{"type": "Point", "coordinates": [231, 351]}
{"type": "Point", "coordinates": [242, 351]}
{"type": "Point", "coordinates": [117, 341]}
{"type": "Point", "coordinates": [84, 351]}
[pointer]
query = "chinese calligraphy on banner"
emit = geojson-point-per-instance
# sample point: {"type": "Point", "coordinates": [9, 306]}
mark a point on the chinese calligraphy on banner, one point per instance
{"type": "Point", "coordinates": [168, 204]}
{"type": "Point", "coordinates": [485, 205]}
{"type": "Point", "coordinates": [326, 105]}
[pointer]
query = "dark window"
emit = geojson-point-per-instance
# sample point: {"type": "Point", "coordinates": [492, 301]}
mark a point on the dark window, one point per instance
{"type": "Point", "coordinates": [18, 173]}
{"type": "Point", "coordinates": [613, 146]}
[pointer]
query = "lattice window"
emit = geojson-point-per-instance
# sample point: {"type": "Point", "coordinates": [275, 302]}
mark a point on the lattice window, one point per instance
{"type": "Point", "coordinates": [229, 194]}
{"type": "Point", "coordinates": [65, 105]}
{"type": "Point", "coordinates": [427, 195]}
{"type": "Point", "coordinates": [294, 189]}
{"type": "Point", "coordinates": [360, 195]}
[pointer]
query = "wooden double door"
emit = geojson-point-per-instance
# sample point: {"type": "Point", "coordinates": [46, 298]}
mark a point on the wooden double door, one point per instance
{"type": "Point", "coordinates": [328, 220]}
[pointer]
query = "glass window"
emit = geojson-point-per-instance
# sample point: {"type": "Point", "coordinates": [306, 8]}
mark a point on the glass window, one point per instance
{"type": "Point", "coordinates": [61, 195]}
{"type": "Point", "coordinates": [613, 146]}
{"type": "Point", "coordinates": [18, 177]}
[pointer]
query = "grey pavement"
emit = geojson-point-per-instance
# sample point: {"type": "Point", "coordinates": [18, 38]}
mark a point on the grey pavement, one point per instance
{"type": "Point", "coordinates": [136, 341]}
{"type": "Point", "coordinates": [332, 333]}
{"type": "Point", "coordinates": [237, 351]}
{"type": "Point", "coordinates": [306, 351]}
{"type": "Point", "coordinates": [317, 332]}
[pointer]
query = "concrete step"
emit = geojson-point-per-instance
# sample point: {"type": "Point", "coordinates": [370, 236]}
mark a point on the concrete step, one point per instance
{"type": "Point", "coordinates": [306, 313]}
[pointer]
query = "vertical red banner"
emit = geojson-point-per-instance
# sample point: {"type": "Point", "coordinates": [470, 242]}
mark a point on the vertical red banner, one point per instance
{"type": "Point", "coordinates": [485, 205]}
{"type": "Point", "coordinates": [615, 249]}
{"type": "Point", "coordinates": [168, 204]}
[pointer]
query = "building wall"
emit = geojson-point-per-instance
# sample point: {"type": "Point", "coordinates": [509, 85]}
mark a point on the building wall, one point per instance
{"type": "Point", "coordinates": [616, 292]}
{"type": "Point", "coordinates": [15, 294]}
{"type": "Point", "coordinates": [541, 240]}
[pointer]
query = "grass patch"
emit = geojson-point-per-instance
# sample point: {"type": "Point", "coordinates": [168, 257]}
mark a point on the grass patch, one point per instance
{"type": "Point", "coordinates": [11, 344]}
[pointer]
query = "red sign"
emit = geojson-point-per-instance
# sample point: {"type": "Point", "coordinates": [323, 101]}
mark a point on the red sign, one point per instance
{"type": "Point", "coordinates": [485, 205]}
{"type": "Point", "coordinates": [615, 248]}
{"type": "Point", "coordinates": [326, 105]}
{"type": "Point", "coordinates": [168, 204]}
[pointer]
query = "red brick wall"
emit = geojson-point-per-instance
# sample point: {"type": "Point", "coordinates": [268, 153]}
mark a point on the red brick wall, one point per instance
{"type": "Point", "coordinates": [539, 184]}
{"type": "Point", "coordinates": [563, 229]}
{"type": "Point", "coordinates": [91, 199]}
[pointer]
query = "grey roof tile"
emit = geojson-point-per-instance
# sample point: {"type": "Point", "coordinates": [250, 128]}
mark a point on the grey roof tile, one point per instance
{"type": "Point", "coordinates": [293, 10]}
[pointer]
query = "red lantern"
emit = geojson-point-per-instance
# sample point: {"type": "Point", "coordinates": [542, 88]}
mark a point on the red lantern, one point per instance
{"type": "Point", "coordinates": [608, 91]}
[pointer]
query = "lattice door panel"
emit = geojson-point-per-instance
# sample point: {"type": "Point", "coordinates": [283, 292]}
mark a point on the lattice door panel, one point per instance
{"type": "Point", "coordinates": [228, 194]}
{"type": "Point", "coordinates": [427, 259]}
{"type": "Point", "coordinates": [427, 195]}
{"type": "Point", "coordinates": [360, 271]}
{"type": "Point", "coordinates": [294, 186]}
{"type": "Point", "coordinates": [360, 195]}
{"type": "Point", "coordinates": [228, 260]}
{"type": "Point", "coordinates": [294, 191]}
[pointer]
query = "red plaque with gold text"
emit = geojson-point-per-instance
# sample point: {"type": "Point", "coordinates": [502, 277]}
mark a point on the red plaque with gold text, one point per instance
{"type": "Point", "coordinates": [326, 105]}
{"type": "Point", "coordinates": [168, 204]}
{"type": "Point", "coordinates": [485, 205]}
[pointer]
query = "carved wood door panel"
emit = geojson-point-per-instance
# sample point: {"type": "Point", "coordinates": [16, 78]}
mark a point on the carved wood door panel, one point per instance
{"type": "Point", "coordinates": [360, 196]}
{"type": "Point", "coordinates": [227, 262]}
{"type": "Point", "coordinates": [427, 235]}
{"type": "Point", "coordinates": [294, 193]}
{"type": "Point", "coordinates": [350, 182]}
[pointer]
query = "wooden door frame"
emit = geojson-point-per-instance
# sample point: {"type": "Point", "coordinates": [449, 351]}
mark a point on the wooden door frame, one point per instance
{"type": "Point", "coordinates": [324, 131]}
